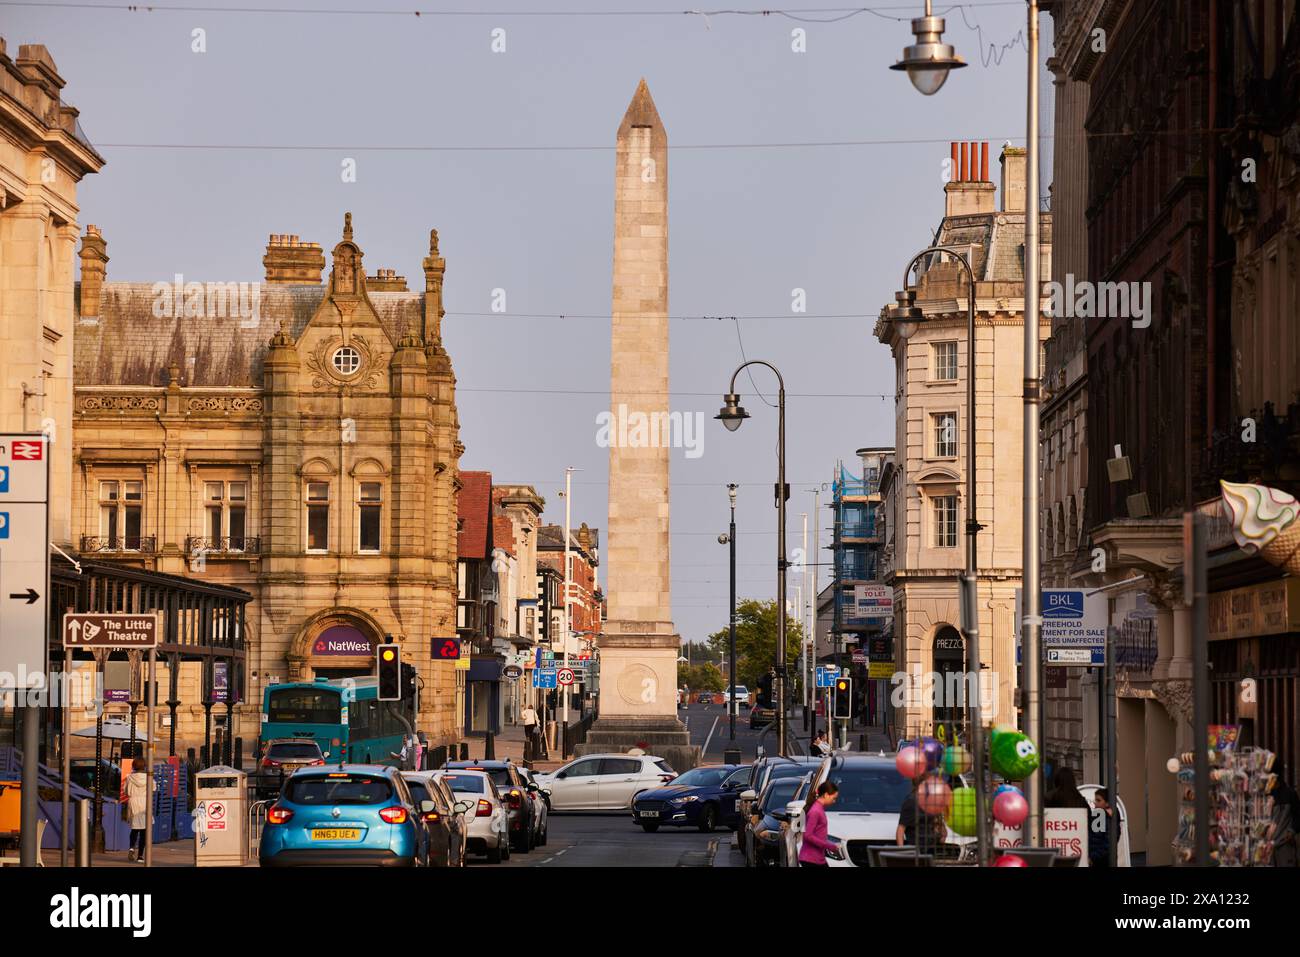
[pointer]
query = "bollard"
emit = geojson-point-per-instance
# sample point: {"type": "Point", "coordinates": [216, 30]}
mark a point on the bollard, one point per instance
{"type": "Point", "coordinates": [731, 756]}
{"type": "Point", "coordinates": [489, 747]}
{"type": "Point", "coordinates": [464, 750]}
{"type": "Point", "coordinates": [83, 832]}
{"type": "Point", "coordinates": [239, 753]}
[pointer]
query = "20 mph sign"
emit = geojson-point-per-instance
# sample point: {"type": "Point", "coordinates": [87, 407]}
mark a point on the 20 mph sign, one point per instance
{"type": "Point", "coordinates": [565, 676]}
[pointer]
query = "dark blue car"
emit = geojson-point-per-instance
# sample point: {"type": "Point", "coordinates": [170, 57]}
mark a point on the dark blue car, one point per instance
{"type": "Point", "coordinates": [703, 797]}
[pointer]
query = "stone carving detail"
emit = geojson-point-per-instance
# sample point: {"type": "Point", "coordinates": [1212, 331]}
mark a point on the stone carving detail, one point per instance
{"type": "Point", "coordinates": [325, 376]}
{"type": "Point", "coordinates": [120, 403]}
{"type": "Point", "coordinates": [1175, 694]}
{"type": "Point", "coordinates": [224, 403]}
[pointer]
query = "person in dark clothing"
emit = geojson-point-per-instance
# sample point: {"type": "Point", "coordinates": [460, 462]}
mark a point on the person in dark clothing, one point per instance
{"type": "Point", "coordinates": [1064, 792]}
{"type": "Point", "coordinates": [1099, 824]}
{"type": "Point", "coordinates": [917, 828]}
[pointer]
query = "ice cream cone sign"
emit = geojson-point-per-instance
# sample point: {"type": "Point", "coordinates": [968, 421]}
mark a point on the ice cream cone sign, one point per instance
{"type": "Point", "coordinates": [1264, 523]}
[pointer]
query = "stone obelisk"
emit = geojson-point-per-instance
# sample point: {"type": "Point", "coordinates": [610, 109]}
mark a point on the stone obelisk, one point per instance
{"type": "Point", "coordinates": [639, 646]}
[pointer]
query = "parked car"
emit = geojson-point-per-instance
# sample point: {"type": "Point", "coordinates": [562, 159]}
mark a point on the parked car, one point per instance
{"type": "Point", "coordinates": [760, 716]}
{"type": "Point", "coordinates": [541, 799]}
{"type": "Point", "coordinates": [487, 824]}
{"type": "Point", "coordinates": [866, 813]}
{"type": "Point", "coordinates": [604, 782]}
{"type": "Point", "coordinates": [443, 815]}
{"type": "Point", "coordinates": [765, 769]}
{"type": "Point", "coordinates": [703, 797]}
{"type": "Point", "coordinates": [762, 832]}
{"type": "Point", "coordinates": [345, 814]}
{"type": "Point", "coordinates": [514, 792]}
{"type": "Point", "coordinates": [280, 758]}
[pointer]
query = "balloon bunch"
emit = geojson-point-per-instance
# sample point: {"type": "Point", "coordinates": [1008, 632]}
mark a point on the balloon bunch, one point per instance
{"type": "Point", "coordinates": [1012, 756]}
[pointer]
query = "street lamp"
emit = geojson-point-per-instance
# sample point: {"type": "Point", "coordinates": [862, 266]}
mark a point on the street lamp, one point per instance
{"type": "Point", "coordinates": [907, 318]}
{"type": "Point", "coordinates": [928, 61]}
{"type": "Point", "coordinates": [1031, 621]}
{"type": "Point", "coordinates": [732, 415]}
{"type": "Point", "coordinates": [730, 539]}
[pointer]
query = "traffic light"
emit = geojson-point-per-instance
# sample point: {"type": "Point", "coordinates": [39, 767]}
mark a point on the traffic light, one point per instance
{"type": "Point", "coordinates": [408, 682]}
{"type": "Point", "coordinates": [388, 669]}
{"type": "Point", "coordinates": [842, 698]}
{"type": "Point", "coordinates": [765, 689]}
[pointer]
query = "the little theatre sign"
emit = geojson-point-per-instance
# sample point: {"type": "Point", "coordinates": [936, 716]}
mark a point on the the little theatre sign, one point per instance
{"type": "Point", "coordinates": [110, 631]}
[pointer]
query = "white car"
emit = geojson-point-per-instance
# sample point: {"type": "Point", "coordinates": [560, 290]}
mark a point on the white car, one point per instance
{"type": "Point", "coordinates": [604, 782]}
{"type": "Point", "coordinates": [865, 814]}
{"type": "Point", "coordinates": [487, 824]}
{"type": "Point", "coordinates": [740, 700]}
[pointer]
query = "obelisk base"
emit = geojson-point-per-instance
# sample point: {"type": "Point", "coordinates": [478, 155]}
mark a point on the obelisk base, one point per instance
{"type": "Point", "coordinates": [665, 738]}
{"type": "Point", "coordinates": [638, 695]}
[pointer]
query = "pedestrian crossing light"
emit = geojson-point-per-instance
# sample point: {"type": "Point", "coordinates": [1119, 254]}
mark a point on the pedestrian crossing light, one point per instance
{"type": "Point", "coordinates": [842, 698]}
{"type": "Point", "coordinates": [388, 669]}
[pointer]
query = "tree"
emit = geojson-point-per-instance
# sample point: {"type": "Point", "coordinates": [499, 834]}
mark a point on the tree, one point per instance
{"type": "Point", "coordinates": [756, 626]}
{"type": "Point", "coordinates": [705, 677]}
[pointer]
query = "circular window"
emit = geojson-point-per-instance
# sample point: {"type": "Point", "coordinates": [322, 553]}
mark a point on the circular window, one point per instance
{"type": "Point", "coordinates": [347, 360]}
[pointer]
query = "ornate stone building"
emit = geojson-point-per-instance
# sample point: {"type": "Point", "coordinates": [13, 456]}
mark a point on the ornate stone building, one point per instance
{"type": "Point", "coordinates": [926, 508]}
{"type": "Point", "coordinates": [296, 437]}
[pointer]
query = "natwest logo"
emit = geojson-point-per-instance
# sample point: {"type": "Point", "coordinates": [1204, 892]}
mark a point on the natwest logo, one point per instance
{"type": "Point", "coordinates": [28, 451]}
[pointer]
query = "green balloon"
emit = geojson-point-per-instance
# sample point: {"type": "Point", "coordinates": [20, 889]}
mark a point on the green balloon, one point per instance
{"type": "Point", "coordinates": [961, 812]}
{"type": "Point", "coordinates": [956, 760]}
{"type": "Point", "coordinates": [1012, 754]}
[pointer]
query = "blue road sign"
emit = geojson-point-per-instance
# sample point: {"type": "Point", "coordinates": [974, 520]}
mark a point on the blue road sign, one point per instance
{"type": "Point", "coordinates": [826, 677]}
{"type": "Point", "coordinates": [545, 678]}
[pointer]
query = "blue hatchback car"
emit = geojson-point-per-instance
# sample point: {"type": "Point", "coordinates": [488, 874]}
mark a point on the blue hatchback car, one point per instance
{"type": "Point", "coordinates": [353, 814]}
{"type": "Point", "coordinates": [703, 797]}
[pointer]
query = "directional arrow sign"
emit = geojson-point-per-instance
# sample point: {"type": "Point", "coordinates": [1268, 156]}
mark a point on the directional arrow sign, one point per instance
{"type": "Point", "coordinates": [24, 552]}
{"type": "Point", "coordinates": [111, 631]}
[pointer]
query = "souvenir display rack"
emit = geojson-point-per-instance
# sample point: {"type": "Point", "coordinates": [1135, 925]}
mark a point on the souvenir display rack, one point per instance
{"type": "Point", "coordinates": [1241, 808]}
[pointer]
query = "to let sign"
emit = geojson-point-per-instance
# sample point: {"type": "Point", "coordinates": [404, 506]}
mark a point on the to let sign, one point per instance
{"type": "Point", "coordinates": [110, 631]}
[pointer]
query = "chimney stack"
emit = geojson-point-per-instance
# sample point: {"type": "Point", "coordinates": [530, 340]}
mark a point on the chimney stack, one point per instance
{"type": "Point", "coordinates": [94, 270]}
{"type": "Point", "coordinates": [290, 262]}
{"type": "Point", "coordinates": [969, 192]}
{"type": "Point", "coordinates": [386, 280]}
{"type": "Point", "coordinates": [1014, 168]}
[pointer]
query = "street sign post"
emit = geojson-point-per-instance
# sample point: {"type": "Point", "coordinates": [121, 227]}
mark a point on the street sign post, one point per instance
{"type": "Point", "coordinates": [825, 675]}
{"type": "Point", "coordinates": [24, 585]}
{"type": "Point", "coordinates": [545, 678]}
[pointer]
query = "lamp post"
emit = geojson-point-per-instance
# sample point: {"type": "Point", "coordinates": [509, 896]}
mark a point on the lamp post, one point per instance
{"type": "Point", "coordinates": [732, 414]}
{"type": "Point", "coordinates": [907, 317]}
{"type": "Point", "coordinates": [730, 539]}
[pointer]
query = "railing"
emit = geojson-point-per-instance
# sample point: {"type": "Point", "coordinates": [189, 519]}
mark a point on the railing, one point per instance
{"type": "Point", "coordinates": [858, 530]}
{"type": "Point", "coordinates": [145, 544]}
{"type": "Point", "coordinates": [247, 544]}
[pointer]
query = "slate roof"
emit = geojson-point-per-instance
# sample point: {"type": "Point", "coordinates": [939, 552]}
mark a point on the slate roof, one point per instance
{"type": "Point", "coordinates": [473, 508]}
{"type": "Point", "coordinates": [128, 345]}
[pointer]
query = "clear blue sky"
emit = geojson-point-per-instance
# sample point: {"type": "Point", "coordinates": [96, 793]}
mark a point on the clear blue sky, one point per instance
{"type": "Point", "coordinates": [747, 224]}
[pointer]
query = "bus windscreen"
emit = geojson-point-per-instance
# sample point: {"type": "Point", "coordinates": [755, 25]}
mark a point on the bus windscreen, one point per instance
{"type": "Point", "coordinates": [304, 706]}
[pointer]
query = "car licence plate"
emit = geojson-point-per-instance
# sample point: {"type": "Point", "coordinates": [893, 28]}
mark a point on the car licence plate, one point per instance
{"type": "Point", "coordinates": [649, 813]}
{"type": "Point", "coordinates": [335, 834]}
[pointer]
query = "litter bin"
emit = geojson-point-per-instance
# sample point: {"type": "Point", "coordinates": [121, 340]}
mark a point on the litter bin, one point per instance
{"type": "Point", "coordinates": [220, 817]}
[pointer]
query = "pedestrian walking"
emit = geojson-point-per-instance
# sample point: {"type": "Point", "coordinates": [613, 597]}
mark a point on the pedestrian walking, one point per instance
{"type": "Point", "coordinates": [137, 807]}
{"type": "Point", "coordinates": [1064, 791]}
{"type": "Point", "coordinates": [812, 853]}
{"type": "Point", "coordinates": [529, 718]}
{"type": "Point", "coordinates": [918, 828]}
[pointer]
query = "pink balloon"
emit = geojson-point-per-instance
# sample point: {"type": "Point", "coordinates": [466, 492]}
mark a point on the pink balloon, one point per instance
{"type": "Point", "coordinates": [1010, 860]}
{"type": "Point", "coordinates": [910, 762]}
{"type": "Point", "coordinates": [934, 796]}
{"type": "Point", "coordinates": [1010, 808]}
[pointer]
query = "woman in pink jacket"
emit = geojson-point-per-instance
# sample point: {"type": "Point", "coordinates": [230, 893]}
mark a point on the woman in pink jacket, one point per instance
{"type": "Point", "coordinates": [812, 853]}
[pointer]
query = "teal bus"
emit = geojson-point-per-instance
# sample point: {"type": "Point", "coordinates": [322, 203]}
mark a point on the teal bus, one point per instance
{"type": "Point", "coordinates": [342, 715]}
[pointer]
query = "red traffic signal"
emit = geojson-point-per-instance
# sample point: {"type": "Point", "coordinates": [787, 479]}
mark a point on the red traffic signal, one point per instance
{"type": "Point", "coordinates": [447, 649]}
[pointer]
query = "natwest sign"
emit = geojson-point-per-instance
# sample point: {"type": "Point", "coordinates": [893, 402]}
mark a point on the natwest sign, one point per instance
{"type": "Point", "coordinates": [343, 641]}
